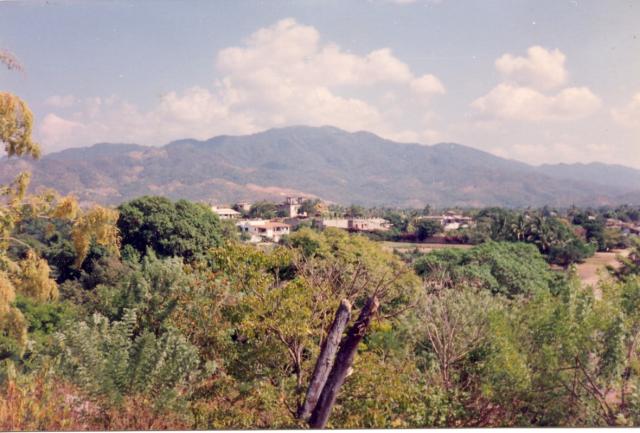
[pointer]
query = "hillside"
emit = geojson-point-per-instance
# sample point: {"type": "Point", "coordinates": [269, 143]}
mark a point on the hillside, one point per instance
{"type": "Point", "coordinates": [326, 162]}
{"type": "Point", "coordinates": [604, 174]}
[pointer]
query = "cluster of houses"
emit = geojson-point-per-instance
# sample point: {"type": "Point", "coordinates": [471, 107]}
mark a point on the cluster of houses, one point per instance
{"type": "Point", "coordinates": [626, 228]}
{"type": "Point", "coordinates": [261, 230]}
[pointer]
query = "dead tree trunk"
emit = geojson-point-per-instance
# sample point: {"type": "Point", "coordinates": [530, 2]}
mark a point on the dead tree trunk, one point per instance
{"type": "Point", "coordinates": [342, 364]}
{"type": "Point", "coordinates": [325, 359]}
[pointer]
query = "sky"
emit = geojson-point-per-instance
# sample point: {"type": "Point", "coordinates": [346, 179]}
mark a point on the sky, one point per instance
{"type": "Point", "coordinates": [541, 81]}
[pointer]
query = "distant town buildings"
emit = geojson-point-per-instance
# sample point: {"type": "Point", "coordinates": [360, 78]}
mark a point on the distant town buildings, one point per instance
{"type": "Point", "coordinates": [291, 216]}
{"type": "Point", "coordinates": [625, 227]}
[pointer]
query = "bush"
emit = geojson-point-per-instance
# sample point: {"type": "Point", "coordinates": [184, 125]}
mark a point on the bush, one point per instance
{"type": "Point", "coordinates": [574, 251]}
{"type": "Point", "coordinates": [108, 360]}
{"type": "Point", "coordinates": [427, 228]}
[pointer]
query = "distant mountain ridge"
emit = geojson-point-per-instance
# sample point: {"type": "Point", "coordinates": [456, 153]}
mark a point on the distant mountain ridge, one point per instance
{"type": "Point", "coordinates": [597, 172]}
{"type": "Point", "coordinates": [324, 162]}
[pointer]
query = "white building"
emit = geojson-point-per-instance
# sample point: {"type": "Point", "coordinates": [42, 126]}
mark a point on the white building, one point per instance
{"type": "Point", "coordinates": [340, 223]}
{"type": "Point", "coordinates": [450, 220]}
{"type": "Point", "coordinates": [261, 230]}
{"type": "Point", "coordinates": [226, 213]}
{"type": "Point", "coordinates": [291, 207]}
{"type": "Point", "coordinates": [356, 224]}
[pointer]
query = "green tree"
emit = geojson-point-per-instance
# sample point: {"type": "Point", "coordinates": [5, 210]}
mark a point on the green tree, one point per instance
{"type": "Point", "coordinates": [355, 211]}
{"type": "Point", "coordinates": [398, 220]}
{"type": "Point", "coordinates": [264, 210]}
{"type": "Point", "coordinates": [151, 287]}
{"type": "Point", "coordinates": [506, 268]}
{"type": "Point", "coordinates": [29, 274]}
{"type": "Point", "coordinates": [183, 229]}
{"type": "Point", "coordinates": [311, 207]}
{"type": "Point", "coordinates": [427, 228]}
{"type": "Point", "coordinates": [573, 251]}
{"type": "Point", "coordinates": [277, 306]}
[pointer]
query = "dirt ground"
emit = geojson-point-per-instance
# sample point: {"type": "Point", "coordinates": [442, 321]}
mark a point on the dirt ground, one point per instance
{"type": "Point", "coordinates": [591, 270]}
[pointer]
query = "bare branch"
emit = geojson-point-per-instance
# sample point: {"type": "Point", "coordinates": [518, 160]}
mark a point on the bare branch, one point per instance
{"type": "Point", "coordinates": [10, 61]}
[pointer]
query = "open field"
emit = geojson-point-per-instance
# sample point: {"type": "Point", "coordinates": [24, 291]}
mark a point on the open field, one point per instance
{"type": "Point", "coordinates": [425, 248]}
{"type": "Point", "coordinates": [590, 271]}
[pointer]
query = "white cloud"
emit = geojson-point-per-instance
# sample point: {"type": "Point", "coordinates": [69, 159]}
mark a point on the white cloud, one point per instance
{"type": "Point", "coordinates": [520, 97]}
{"type": "Point", "coordinates": [57, 132]}
{"type": "Point", "coordinates": [541, 69]}
{"type": "Point", "coordinates": [522, 103]}
{"type": "Point", "coordinates": [281, 75]}
{"type": "Point", "coordinates": [402, 2]}
{"type": "Point", "coordinates": [629, 115]}
{"type": "Point", "coordinates": [426, 85]}
{"type": "Point", "coordinates": [407, 2]}
{"type": "Point", "coordinates": [60, 101]}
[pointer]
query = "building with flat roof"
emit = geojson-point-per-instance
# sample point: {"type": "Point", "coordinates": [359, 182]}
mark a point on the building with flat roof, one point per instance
{"type": "Point", "coordinates": [226, 213]}
{"type": "Point", "coordinates": [355, 224]}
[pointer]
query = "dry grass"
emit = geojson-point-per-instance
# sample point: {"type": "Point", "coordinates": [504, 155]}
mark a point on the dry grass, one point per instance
{"type": "Point", "coordinates": [44, 404]}
{"type": "Point", "coordinates": [40, 405]}
{"type": "Point", "coordinates": [425, 248]}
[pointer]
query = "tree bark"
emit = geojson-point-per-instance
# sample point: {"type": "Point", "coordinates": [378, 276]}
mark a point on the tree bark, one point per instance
{"type": "Point", "coordinates": [325, 360]}
{"type": "Point", "coordinates": [342, 365]}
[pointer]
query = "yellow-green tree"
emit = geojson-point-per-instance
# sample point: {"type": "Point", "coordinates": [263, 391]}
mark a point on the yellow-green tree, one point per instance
{"type": "Point", "coordinates": [29, 275]}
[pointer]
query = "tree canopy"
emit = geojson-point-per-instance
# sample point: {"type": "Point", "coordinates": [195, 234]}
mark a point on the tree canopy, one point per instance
{"type": "Point", "coordinates": [182, 228]}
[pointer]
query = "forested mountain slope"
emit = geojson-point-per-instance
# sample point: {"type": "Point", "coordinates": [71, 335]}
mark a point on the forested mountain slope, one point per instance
{"type": "Point", "coordinates": [325, 162]}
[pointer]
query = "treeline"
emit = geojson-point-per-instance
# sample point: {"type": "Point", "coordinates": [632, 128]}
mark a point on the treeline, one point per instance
{"type": "Point", "coordinates": [563, 238]}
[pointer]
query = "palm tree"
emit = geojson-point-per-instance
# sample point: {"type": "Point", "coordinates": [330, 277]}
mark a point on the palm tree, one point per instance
{"type": "Point", "coordinates": [542, 234]}
{"type": "Point", "coordinates": [520, 228]}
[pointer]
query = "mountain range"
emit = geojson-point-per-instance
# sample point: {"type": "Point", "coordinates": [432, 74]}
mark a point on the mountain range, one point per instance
{"type": "Point", "coordinates": [323, 162]}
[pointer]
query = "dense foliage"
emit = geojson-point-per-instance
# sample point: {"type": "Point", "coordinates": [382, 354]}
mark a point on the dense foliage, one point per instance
{"type": "Point", "coordinates": [487, 336]}
{"type": "Point", "coordinates": [182, 228]}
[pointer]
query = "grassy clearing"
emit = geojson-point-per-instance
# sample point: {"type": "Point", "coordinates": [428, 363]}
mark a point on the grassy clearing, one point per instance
{"type": "Point", "coordinates": [425, 248]}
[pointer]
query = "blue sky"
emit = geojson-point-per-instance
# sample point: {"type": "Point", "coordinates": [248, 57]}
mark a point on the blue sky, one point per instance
{"type": "Point", "coordinates": [539, 81]}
